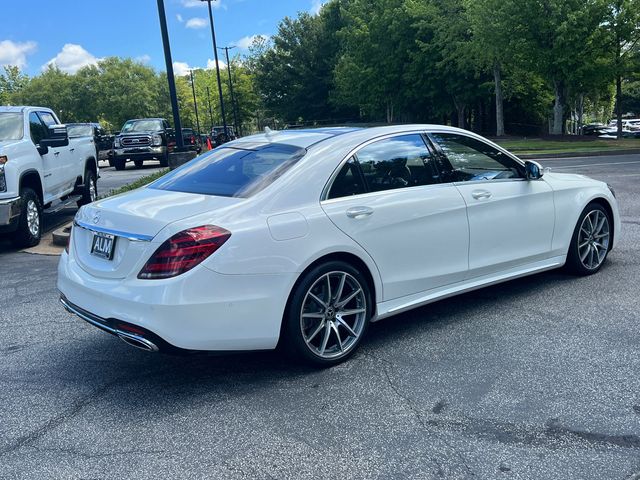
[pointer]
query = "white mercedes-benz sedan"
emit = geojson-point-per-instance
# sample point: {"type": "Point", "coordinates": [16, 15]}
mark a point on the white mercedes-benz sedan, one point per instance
{"type": "Point", "coordinates": [303, 237]}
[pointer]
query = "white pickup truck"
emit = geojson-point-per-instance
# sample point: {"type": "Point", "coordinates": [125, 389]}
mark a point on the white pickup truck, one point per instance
{"type": "Point", "coordinates": [41, 170]}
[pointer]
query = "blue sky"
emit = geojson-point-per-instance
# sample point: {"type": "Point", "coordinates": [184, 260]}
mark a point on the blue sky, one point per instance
{"type": "Point", "coordinates": [74, 33]}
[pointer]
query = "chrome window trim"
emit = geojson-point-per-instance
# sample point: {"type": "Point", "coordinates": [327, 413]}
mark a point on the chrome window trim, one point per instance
{"type": "Point", "coordinates": [381, 193]}
{"type": "Point", "coordinates": [134, 237]}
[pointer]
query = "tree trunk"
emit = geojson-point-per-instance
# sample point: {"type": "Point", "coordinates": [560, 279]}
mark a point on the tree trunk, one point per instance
{"type": "Point", "coordinates": [619, 104]}
{"type": "Point", "coordinates": [389, 111]}
{"type": "Point", "coordinates": [580, 112]}
{"type": "Point", "coordinates": [558, 109]}
{"type": "Point", "coordinates": [497, 78]}
{"type": "Point", "coordinates": [461, 109]}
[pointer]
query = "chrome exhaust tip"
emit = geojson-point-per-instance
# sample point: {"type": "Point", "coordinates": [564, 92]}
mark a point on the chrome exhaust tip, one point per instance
{"type": "Point", "coordinates": [137, 341]}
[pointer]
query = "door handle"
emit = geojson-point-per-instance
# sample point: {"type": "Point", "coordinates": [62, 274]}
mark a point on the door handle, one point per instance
{"type": "Point", "coordinates": [56, 153]}
{"type": "Point", "coordinates": [359, 212]}
{"type": "Point", "coordinates": [480, 194]}
{"type": "Point", "coordinates": [72, 149]}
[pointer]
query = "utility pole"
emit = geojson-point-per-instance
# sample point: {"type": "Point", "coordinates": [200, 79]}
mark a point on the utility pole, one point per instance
{"type": "Point", "coordinates": [195, 103]}
{"type": "Point", "coordinates": [233, 98]}
{"type": "Point", "coordinates": [215, 56]}
{"type": "Point", "coordinates": [170, 78]}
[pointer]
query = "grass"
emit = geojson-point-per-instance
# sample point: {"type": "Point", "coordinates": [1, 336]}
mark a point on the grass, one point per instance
{"type": "Point", "coordinates": [141, 182]}
{"type": "Point", "coordinates": [566, 145]}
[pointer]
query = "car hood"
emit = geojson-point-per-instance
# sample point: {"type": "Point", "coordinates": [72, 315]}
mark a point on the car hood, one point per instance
{"type": "Point", "coordinates": [146, 211]}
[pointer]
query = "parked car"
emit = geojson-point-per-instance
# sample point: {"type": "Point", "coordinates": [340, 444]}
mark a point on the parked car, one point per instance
{"type": "Point", "coordinates": [143, 139]}
{"type": "Point", "coordinates": [102, 140]}
{"type": "Point", "coordinates": [304, 237]}
{"type": "Point", "coordinates": [218, 135]}
{"type": "Point", "coordinates": [595, 129]}
{"type": "Point", "coordinates": [191, 140]}
{"type": "Point", "coordinates": [41, 169]}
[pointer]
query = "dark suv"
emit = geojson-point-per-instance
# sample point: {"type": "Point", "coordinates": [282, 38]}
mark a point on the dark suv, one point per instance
{"type": "Point", "coordinates": [143, 139]}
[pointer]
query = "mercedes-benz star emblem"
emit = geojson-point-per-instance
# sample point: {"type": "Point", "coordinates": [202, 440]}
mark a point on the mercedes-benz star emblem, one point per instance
{"type": "Point", "coordinates": [96, 217]}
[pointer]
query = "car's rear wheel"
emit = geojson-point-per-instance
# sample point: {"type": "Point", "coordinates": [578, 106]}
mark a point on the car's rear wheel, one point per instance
{"type": "Point", "coordinates": [89, 189]}
{"type": "Point", "coordinates": [591, 241]}
{"type": "Point", "coordinates": [328, 314]}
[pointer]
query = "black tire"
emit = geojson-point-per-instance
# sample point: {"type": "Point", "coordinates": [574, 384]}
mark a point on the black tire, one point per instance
{"type": "Point", "coordinates": [293, 341]}
{"type": "Point", "coordinates": [23, 237]}
{"type": "Point", "coordinates": [164, 160]}
{"type": "Point", "coordinates": [119, 163]}
{"type": "Point", "coordinates": [138, 163]}
{"type": "Point", "coordinates": [90, 182]}
{"type": "Point", "coordinates": [575, 263]}
{"type": "Point", "coordinates": [111, 164]}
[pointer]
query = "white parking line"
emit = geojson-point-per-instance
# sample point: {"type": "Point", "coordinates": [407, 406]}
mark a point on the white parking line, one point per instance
{"type": "Point", "coordinates": [596, 164]}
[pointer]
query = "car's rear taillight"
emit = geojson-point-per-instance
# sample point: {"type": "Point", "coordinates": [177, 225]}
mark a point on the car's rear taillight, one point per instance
{"type": "Point", "coordinates": [184, 251]}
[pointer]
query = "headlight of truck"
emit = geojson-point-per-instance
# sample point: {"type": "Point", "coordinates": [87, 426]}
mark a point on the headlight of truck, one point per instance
{"type": "Point", "coordinates": [156, 140]}
{"type": "Point", "coordinates": [3, 179]}
{"type": "Point", "coordinates": [116, 142]}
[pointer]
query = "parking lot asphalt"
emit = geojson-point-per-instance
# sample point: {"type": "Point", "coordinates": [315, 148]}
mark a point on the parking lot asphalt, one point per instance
{"type": "Point", "coordinates": [532, 379]}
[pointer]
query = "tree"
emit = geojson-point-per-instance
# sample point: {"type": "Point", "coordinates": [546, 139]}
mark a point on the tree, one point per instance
{"type": "Point", "coordinates": [12, 80]}
{"type": "Point", "coordinates": [621, 27]}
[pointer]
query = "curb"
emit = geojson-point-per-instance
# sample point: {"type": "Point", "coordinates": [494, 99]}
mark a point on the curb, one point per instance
{"type": "Point", "coordinates": [533, 156]}
{"type": "Point", "coordinates": [62, 234]}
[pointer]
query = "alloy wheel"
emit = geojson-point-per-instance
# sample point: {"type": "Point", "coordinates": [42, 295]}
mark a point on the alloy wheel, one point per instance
{"type": "Point", "coordinates": [593, 239]}
{"type": "Point", "coordinates": [93, 191]}
{"type": "Point", "coordinates": [333, 314]}
{"type": "Point", "coordinates": [33, 218]}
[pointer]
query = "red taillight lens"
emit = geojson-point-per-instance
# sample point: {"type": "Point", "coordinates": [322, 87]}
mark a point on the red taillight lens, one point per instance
{"type": "Point", "coordinates": [184, 251]}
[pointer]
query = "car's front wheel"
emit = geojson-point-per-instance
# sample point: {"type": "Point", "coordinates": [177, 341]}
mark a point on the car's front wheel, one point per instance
{"type": "Point", "coordinates": [119, 163]}
{"type": "Point", "coordinates": [591, 240]}
{"type": "Point", "coordinates": [30, 222]}
{"type": "Point", "coordinates": [328, 314]}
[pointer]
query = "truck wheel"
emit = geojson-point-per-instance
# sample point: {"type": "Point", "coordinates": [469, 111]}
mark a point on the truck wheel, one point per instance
{"type": "Point", "coordinates": [119, 163]}
{"type": "Point", "coordinates": [30, 221]}
{"type": "Point", "coordinates": [90, 188]}
{"type": "Point", "coordinates": [164, 160]}
{"type": "Point", "coordinates": [111, 162]}
{"type": "Point", "coordinates": [138, 163]}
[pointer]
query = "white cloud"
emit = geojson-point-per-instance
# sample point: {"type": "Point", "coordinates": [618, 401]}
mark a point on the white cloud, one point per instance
{"type": "Point", "coordinates": [180, 69]}
{"type": "Point", "coordinates": [71, 58]}
{"type": "Point", "coordinates": [316, 5]}
{"type": "Point", "coordinates": [211, 64]}
{"type": "Point", "coordinates": [196, 22]}
{"type": "Point", "coordinates": [15, 53]}
{"type": "Point", "coordinates": [198, 3]}
{"type": "Point", "coordinates": [179, 17]}
{"type": "Point", "coordinates": [245, 42]}
{"type": "Point", "coordinates": [144, 59]}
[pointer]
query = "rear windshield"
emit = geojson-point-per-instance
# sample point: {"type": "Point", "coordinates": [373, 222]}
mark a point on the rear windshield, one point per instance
{"type": "Point", "coordinates": [79, 131]}
{"type": "Point", "coordinates": [11, 127]}
{"type": "Point", "coordinates": [232, 172]}
{"type": "Point", "coordinates": [142, 126]}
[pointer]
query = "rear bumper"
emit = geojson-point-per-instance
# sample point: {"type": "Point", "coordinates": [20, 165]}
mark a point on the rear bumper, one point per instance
{"type": "Point", "coordinates": [9, 211]}
{"type": "Point", "coordinates": [199, 310]}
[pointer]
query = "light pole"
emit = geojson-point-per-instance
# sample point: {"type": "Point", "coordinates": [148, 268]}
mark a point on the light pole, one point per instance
{"type": "Point", "coordinates": [233, 98]}
{"type": "Point", "coordinates": [195, 103]}
{"type": "Point", "coordinates": [170, 78]}
{"type": "Point", "coordinates": [215, 56]}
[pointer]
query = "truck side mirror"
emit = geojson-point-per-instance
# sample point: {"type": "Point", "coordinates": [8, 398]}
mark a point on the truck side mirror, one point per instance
{"type": "Point", "coordinates": [57, 137]}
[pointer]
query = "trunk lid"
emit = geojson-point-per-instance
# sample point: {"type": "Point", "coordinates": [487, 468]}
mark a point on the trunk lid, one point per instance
{"type": "Point", "coordinates": [134, 219]}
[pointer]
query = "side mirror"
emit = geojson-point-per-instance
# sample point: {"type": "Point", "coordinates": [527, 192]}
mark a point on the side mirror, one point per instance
{"type": "Point", "coordinates": [533, 170]}
{"type": "Point", "coordinates": [57, 137]}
